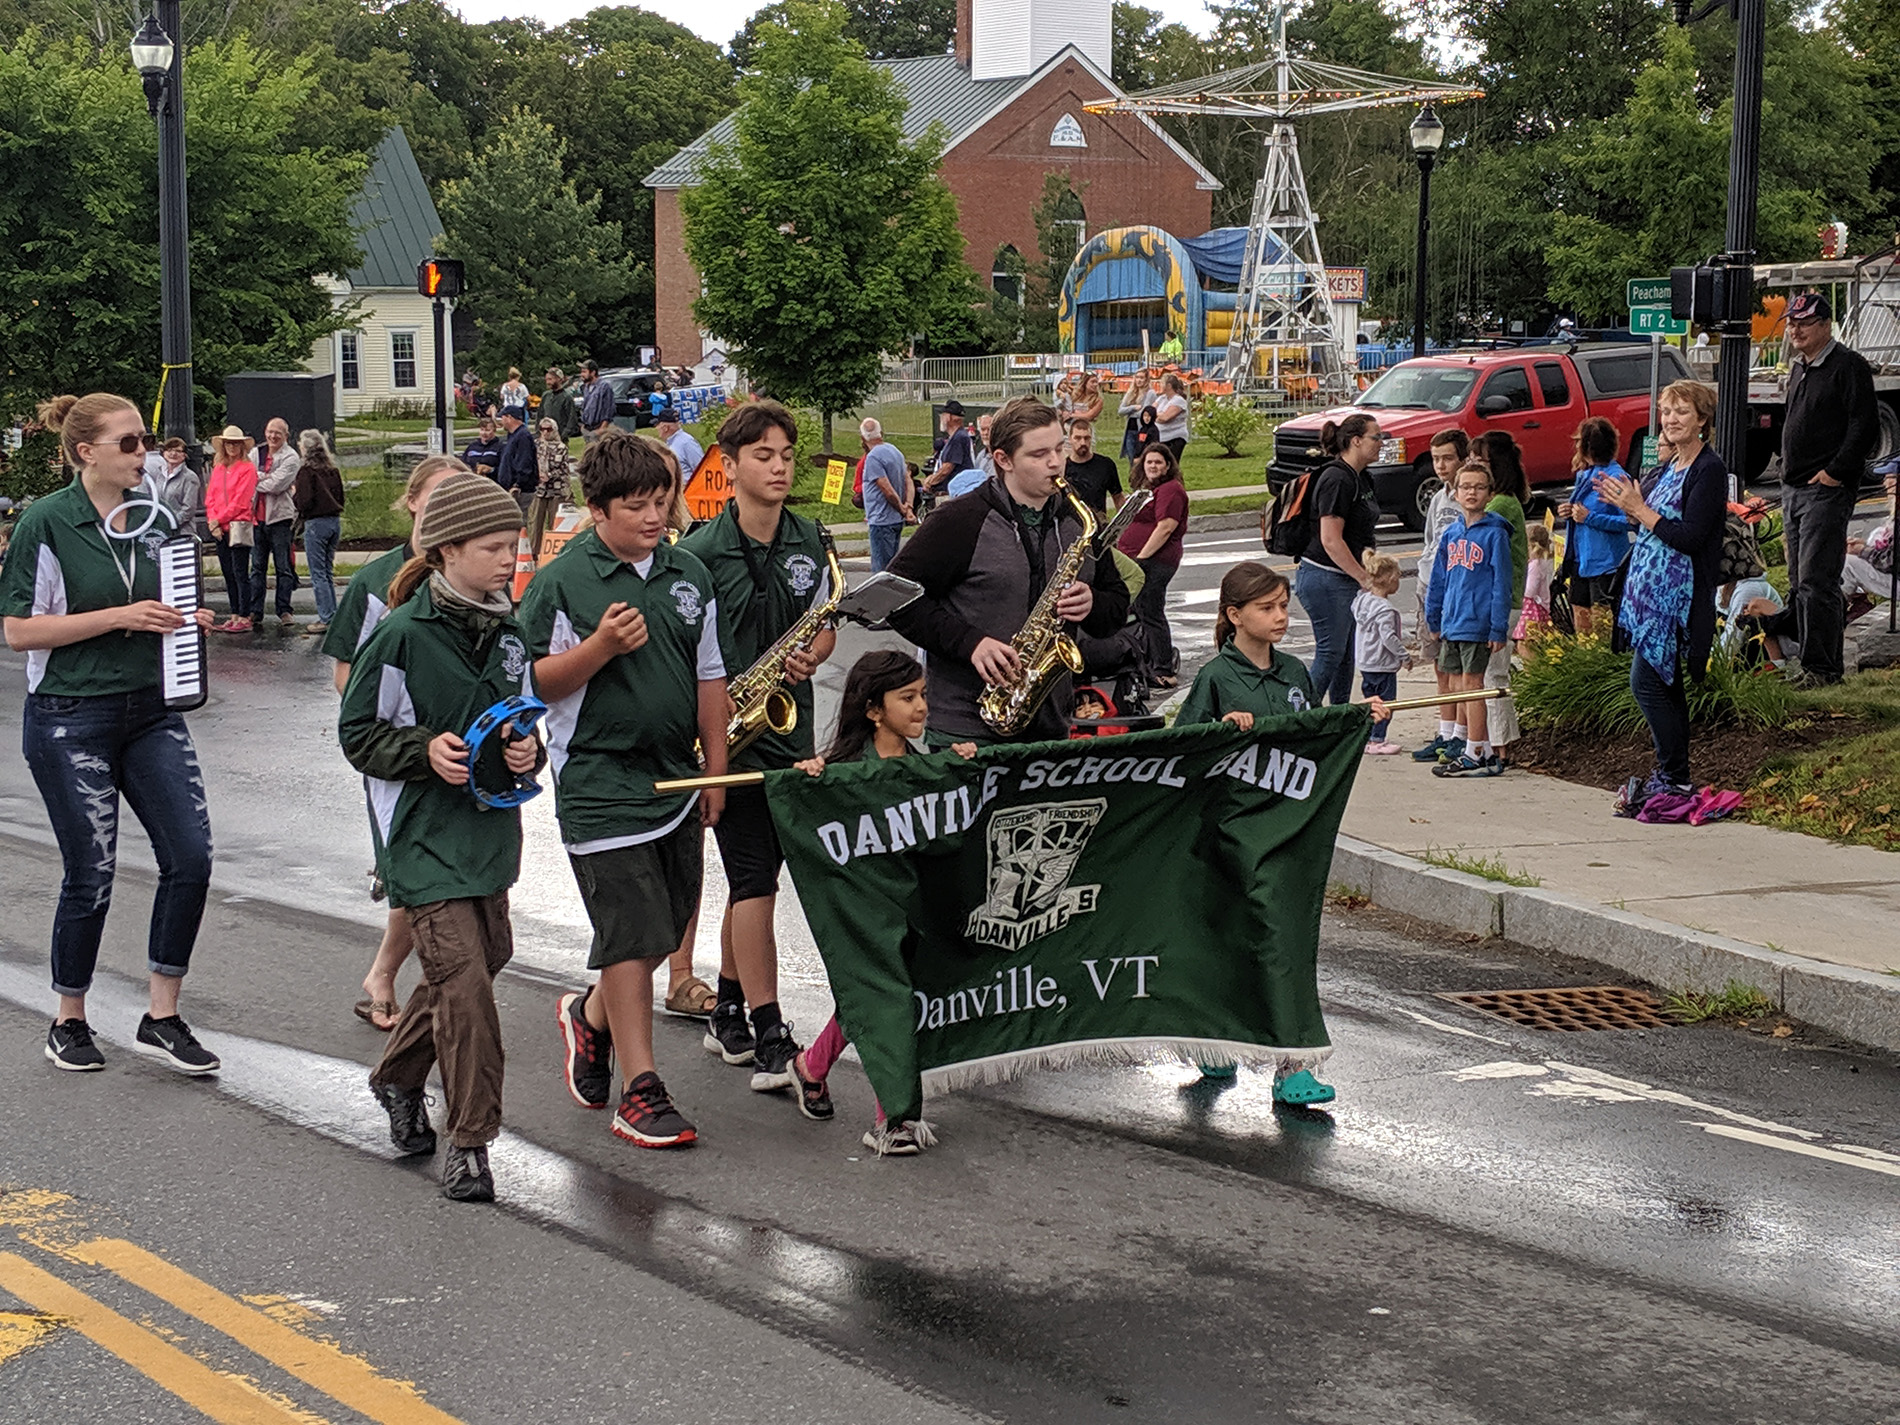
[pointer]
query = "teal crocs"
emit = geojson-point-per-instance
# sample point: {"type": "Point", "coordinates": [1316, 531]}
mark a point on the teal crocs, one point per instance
{"type": "Point", "coordinates": [1224, 1072]}
{"type": "Point", "coordinates": [1302, 1090]}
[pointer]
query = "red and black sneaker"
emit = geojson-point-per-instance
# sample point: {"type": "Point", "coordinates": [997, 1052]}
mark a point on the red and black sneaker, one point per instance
{"type": "Point", "coordinates": [588, 1063]}
{"type": "Point", "coordinates": [647, 1116]}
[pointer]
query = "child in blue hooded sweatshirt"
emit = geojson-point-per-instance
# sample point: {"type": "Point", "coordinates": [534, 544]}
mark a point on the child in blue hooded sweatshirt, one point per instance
{"type": "Point", "coordinates": [1469, 608]}
{"type": "Point", "coordinates": [1600, 532]}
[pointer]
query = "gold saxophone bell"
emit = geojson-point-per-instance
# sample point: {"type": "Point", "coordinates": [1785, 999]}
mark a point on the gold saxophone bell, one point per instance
{"type": "Point", "coordinates": [781, 713]}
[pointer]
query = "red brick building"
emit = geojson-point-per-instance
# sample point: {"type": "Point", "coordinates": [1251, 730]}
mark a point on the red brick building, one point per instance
{"type": "Point", "coordinates": [1011, 97]}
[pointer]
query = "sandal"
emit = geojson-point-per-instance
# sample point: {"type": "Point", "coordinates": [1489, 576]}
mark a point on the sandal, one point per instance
{"type": "Point", "coordinates": [367, 1010]}
{"type": "Point", "coordinates": [692, 998]}
{"type": "Point", "coordinates": [814, 1095]}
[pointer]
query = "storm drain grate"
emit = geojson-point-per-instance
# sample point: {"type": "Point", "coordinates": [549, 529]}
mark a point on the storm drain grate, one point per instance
{"type": "Point", "coordinates": [1570, 1008]}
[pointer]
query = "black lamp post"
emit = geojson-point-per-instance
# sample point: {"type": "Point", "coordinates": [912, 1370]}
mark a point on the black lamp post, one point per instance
{"type": "Point", "coordinates": [1738, 262]}
{"type": "Point", "coordinates": [1428, 136]}
{"type": "Point", "coordinates": [160, 61]}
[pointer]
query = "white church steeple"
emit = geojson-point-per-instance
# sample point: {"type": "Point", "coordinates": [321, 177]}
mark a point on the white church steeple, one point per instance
{"type": "Point", "coordinates": [1009, 39]}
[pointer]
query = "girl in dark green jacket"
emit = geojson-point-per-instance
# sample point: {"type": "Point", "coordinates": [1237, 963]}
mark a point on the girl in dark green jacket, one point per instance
{"type": "Point", "coordinates": [1251, 678]}
{"type": "Point", "coordinates": [446, 652]}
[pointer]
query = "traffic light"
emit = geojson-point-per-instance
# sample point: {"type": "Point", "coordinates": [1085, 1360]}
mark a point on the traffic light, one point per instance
{"type": "Point", "coordinates": [439, 277]}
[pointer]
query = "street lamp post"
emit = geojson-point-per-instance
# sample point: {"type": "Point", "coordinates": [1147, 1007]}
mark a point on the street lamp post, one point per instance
{"type": "Point", "coordinates": [1738, 262]}
{"type": "Point", "coordinates": [160, 60]}
{"type": "Point", "coordinates": [1428, 136]}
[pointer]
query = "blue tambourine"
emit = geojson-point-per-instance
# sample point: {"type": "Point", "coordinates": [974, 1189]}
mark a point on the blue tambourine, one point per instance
{"type": "Point", "coordinates": [519, 714]}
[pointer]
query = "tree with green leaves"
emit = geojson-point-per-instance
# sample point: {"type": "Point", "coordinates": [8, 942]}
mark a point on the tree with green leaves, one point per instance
{"type": "Point", "coordinates": [541, 264]}
{"type": "Point", "coordinates": [79, 291]}
{"type": "Point", "coordinates": [888, 29]}
{"type": "Point", "coordinates": [823, 237]}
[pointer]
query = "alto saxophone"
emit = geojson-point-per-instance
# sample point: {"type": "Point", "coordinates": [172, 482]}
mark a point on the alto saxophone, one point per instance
{"type": "Point", "coordinates": [1044, 650]}
{"type": "Point", "coordinates": [762, 700]}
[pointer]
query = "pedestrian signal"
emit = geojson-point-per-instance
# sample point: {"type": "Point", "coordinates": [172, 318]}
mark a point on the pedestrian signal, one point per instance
{"type": "Point", "coordinates": [439, 277]}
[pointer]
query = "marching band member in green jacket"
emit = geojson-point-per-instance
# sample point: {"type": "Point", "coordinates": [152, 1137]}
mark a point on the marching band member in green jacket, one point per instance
{"type": "Point", "coordinates": [447, 651]}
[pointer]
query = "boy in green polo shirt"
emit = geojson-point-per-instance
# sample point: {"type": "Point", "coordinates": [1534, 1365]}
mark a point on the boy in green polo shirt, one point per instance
{"type": "Point", "coordinates": [623, 628]}
{"type": "Point", "coordinates": [768, 566]}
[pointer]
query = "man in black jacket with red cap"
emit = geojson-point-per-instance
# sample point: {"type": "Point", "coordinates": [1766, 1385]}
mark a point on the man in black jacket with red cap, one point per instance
{"type": "Point", "coordinates": [1832, 422]}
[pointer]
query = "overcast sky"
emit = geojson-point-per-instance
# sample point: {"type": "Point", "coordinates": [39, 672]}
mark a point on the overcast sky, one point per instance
{"type": "Point", "coordinates": [720, 20]}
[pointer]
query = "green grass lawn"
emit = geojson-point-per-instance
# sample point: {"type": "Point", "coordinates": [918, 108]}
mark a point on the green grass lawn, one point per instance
{"type": "Point", "coordinates": [1849, 790]}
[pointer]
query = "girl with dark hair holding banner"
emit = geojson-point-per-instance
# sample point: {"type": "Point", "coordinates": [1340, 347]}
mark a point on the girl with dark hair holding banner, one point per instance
{"type": "Point", "coordinates": [448, 650]}
{"type": "Point", "coordinates": [881, 714]}
{"type": "Point", "coordinates": [1251, 678]}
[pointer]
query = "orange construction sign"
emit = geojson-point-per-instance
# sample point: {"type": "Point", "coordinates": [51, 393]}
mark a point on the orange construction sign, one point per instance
{"type": "Point", "coordinates": [708, 488]}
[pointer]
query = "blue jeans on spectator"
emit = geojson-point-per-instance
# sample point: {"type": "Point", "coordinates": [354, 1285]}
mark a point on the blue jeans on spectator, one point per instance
{"type": "Point", "coordinates": [273, 543]}
{"type": "Point", "coordinates": [1379, 685]}
{"type": "Point", "coordinates": [320, 538]}
{"type": "Point", "coordinates": [234, 561]}
{"type": "Point", "coordinates": [1665, 707]}
{"type": "Point", "coordinates": [884, 542]}
{"type": "Point", "coordinates": [85, 753]}
{"type": "Point", "coordinates": [1327, 595]}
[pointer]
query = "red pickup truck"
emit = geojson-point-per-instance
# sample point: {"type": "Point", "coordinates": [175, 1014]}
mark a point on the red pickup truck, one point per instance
{"type": "Point", "coordinates": [1539, 394]}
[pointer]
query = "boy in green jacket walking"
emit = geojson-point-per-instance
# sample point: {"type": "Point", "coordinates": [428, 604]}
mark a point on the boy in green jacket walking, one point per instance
{"type": "Point", "coordinates": [447, 651]}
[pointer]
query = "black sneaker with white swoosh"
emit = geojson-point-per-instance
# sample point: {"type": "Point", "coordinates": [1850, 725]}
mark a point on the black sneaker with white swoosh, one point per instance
{"type": "Point", "coordinates": [69, 1046]}
{"type": "Point", "coordinates": [170, 1039]}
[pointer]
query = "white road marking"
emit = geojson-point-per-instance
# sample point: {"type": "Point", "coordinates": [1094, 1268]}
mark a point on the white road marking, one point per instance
{"type": "Point", "coordinates": [1502, 1069]}
{"type": "Point", "coordinates": [1866, 1152]}
{"type": "Point", "coordinates": [1850, 1159]}
{"type": "Point", "coordinates": [1451, 1028]}
{"type": "Point", "coordinates": [1639, 1090]}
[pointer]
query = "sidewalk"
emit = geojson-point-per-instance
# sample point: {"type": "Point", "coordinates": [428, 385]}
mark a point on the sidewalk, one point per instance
{"type": "Point", "coordinates": [1814, 924]}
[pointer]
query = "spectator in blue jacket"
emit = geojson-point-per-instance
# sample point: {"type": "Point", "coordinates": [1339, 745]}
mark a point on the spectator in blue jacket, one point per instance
{"type": "Point", "coordinates": [1469, 608]}
{"type": "Point", "coordinates": [520, 469]}
{"type": "Point", "coordinates": [1599, 539]}
{"type": "Point", "coordinates": [483, 455]}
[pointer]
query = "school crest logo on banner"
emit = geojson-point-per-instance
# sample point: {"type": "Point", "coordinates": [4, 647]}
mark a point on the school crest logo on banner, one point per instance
{"type": "Point", "coordinates": [801, 572]}
{"type": "Point", "coordinates": [1033, 852]}
{"type": "Point", "coordinates": [686, 599]}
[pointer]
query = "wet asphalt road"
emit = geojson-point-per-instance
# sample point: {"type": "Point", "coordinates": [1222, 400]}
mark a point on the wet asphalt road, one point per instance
{"type": "Point", "coordinates": [1497, 1225]}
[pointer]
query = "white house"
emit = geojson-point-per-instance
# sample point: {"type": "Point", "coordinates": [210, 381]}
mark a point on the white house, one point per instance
{"type": "Point", "coordinates": [390, 352]}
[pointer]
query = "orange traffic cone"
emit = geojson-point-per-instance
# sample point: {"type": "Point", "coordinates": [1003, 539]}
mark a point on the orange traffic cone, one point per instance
{"type": "Point", "coordinates": [524, 565]}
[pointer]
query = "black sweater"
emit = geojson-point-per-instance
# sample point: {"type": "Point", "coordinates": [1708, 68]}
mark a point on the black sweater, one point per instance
{"type": "Point", "coordinates": [1832, 422]}
{"type": "Point", "coordinates": [972, 560]}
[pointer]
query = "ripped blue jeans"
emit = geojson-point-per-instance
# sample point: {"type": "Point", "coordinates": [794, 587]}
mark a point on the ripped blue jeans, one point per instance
{"type": "Point", "coordinates": [85, 753]}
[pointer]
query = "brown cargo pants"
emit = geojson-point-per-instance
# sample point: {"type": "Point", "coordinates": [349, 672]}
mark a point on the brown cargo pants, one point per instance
{"type": "Point", "coordinates": [461, 946]}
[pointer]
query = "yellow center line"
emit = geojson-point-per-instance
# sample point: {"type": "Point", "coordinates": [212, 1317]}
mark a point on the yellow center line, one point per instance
{"type": "Point", "coordinates": [225, 1399]}
{"type": "Point", "coordinates": [347, 1379]}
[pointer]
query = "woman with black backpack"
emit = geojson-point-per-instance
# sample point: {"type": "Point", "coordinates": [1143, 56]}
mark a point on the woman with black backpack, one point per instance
{"type": "Point", "coordinates": [1341, 511]}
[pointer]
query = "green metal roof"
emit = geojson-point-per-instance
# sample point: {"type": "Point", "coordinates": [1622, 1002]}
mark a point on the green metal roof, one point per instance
{"type": "Point", "coordinates": [394, 217]}
{"type": "Point", "coordinates": [939, 89]}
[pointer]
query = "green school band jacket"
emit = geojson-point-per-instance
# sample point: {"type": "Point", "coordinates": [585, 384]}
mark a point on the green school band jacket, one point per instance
{"type": "Point", "coordinates": [763, 590]}
{"type": "Point", "coordinates": [1231, 683]}
{"type": "Point", "coordinates": [429, 669]}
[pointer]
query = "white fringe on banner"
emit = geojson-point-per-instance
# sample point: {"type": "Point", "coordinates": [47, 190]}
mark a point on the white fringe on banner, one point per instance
{"type": "Point", "coordinates": [1083, 1053]}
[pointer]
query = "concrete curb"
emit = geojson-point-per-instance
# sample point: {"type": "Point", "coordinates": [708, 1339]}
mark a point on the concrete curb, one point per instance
{"type": "Point", "coordinates": [1856, 1004]}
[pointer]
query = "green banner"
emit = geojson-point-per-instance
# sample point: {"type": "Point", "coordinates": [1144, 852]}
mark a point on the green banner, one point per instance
{"type": "Point", "coordinates": [1126, 899]}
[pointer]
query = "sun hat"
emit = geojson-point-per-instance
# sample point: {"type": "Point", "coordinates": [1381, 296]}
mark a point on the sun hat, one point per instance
{"type": "Point", "coordinates": [466, 507]}
{"type": "Point", "coordinates": [233, 433]}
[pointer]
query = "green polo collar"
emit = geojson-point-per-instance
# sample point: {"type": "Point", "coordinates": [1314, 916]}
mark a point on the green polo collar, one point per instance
{"type": "Point", "coordinates": [606, 563]}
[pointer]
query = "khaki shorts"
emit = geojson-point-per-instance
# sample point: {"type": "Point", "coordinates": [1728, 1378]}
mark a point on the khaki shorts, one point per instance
{"type": "Point", "coordinates": [1469, 659]}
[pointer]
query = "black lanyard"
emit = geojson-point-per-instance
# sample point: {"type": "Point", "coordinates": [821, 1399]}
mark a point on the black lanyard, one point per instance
{"type": "Point", "coordinates": [760, 573]}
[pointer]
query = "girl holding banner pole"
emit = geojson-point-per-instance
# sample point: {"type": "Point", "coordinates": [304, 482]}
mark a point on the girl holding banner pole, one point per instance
{"type": "Point", "coordinates": [882, 712]}
{"type": "Point", "coordinates": [1250, 678]}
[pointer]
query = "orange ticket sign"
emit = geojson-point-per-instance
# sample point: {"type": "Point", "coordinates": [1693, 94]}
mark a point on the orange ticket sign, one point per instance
{"type": "Point", "coordinates": [709, 488]}
{"type": "Point", "coordinates": [834, 482]}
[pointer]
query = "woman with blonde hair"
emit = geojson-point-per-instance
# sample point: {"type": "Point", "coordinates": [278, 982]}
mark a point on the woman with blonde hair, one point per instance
{"type": "Point", "coordinates": [1667, 614]}
{"type": "Point", "coordinates": [79, 597]}
{"type": "Point", "coordinates": [230, 495]}
{"type": "Point", "coordinates": [514, 391]}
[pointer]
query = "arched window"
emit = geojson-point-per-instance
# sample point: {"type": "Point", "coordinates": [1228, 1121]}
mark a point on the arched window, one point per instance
{"type": "Point", "coordinates": [1006, 274]}
{"type": "Point", "coordinates": [1070, 227]}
